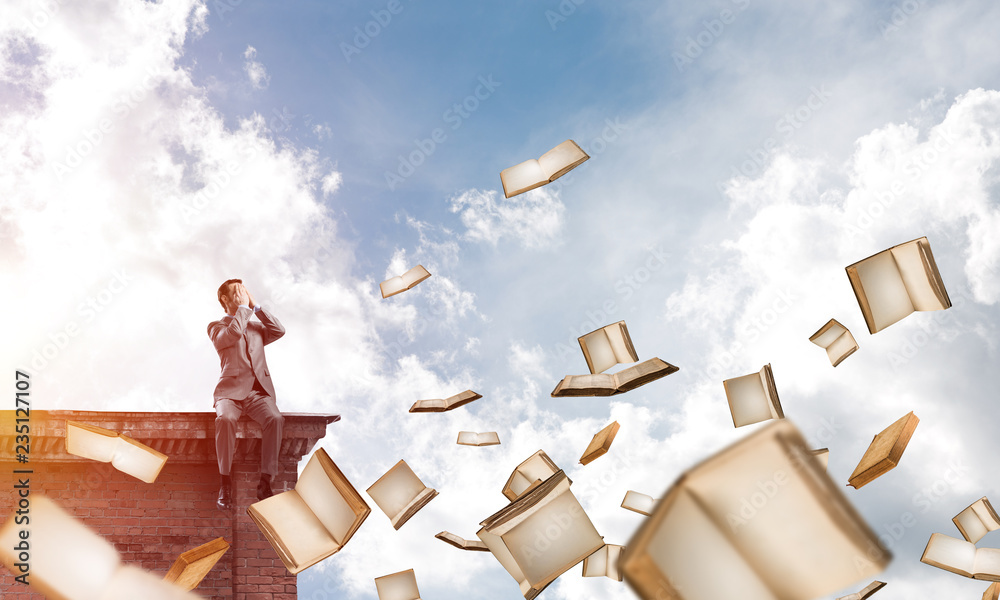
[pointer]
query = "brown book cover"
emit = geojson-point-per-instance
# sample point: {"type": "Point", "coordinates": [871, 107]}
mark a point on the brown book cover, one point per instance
{"type": "Point", "coordinates": [528, 475]}
{"type": "Point", "coordinates": [192, 566]}
{"type": "Point", "coordinates": [866, 593]}
{"type": "Point", "coordinates": [884, 452]}
{"type": "Point", "coordinates": [992, 592]}
{"type": "Point", "coordinates": [836, 340]}
{"type": "Point", "coordinates": [601, 443]}
{"type": "Point", "coordinates": [439, 405]}
{"type": "Point", "coordinates": [608, 384]}
{"type": "Point", "coordinates": [461, 543]}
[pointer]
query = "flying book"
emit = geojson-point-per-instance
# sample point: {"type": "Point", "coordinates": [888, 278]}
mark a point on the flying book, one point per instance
{"type": "Point", "coordinates": [535, 173]}
{"type": "Point", "coordinates": [604, 562]}
{"type": "Point", "coordinates": [836, 339]}
{"type": "Point", "coordinates": [315, 519]}
{"type": "Point", "coordinates": [640, 503]}
{"type": "Point", "coordinates": [192, 566]}
{"type": "Point", "coordinates": [401, 283]}
{"type": "Point", "coordinates": [609, 384]}
{"type": "Point", "coordinates": [69, 561]}
{"type": "Point", "coordinates": [398, 586]}
{"type": "Point", "coordinates": [461, 543]}
{"type": "Point", "coordinates": [977, 520]}
{"type": "Point", "coordinates": [400, 494]}
{"type": "Point", "coordinates": [822, 455]}
{"type": "Point", "coordinates": [884, 452]}
{"type": "Point", "coordinates": [992, 592]}
{"type": "Point", "coordinates": [870, 589]}
{"type": "Point", "coordinates": [528, 475]}
{"type": "Point", "coordinates": [521, 536]}
{"type": "Point", "coordinates": [962, 557]}
{"type": "Point", "coordinates": [753, 398]}
{"type": "Point", "coordinates": [438, 405]}
{"type": "Point", "coordinates": [758, 520]}
{"type": "Point", "coordinates": [124, 453]}
{"type": "Point", "coordinates": [608, 346]}
{"type": "Point", "coordinates": [471, 438]}
{"type": "Point", "coordinates": [601, 443]}
{"type": "Point", "coordinates": [896, 282]}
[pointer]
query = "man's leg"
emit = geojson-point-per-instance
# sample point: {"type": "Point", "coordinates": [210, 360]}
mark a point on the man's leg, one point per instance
{"type": "Point", "coordinates": [227, 414]}
{"type": "Point", "coordinates": [262, 408]}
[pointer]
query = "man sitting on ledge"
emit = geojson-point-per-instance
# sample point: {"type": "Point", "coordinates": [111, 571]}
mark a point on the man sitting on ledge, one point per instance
{"type": "Point", "coordinates": [245, 384]}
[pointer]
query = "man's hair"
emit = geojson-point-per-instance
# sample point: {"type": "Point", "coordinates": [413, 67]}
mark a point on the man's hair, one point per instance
{"type": "Point", "coordinates": [224, 288]}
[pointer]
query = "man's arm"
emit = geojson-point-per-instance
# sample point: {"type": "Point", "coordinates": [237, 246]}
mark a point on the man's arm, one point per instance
{"type": "Point", "coordinates": [272, 326]}
{"type": "Point", "coordinates": [225, 335]}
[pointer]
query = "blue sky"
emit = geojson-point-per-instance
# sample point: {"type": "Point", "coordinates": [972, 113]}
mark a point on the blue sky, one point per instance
{"type": "Point", "coordinates": [743, 153]}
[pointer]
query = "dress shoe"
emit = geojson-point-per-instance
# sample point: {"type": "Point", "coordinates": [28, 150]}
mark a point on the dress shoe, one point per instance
{"type": "Point", "coordinates": [264, 488]}
{"type": "Point", "coordinates": [225, 501]}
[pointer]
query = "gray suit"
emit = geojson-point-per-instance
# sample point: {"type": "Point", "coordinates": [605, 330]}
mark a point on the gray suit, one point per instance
{"type": "Point", "coordinates": [245, 384]}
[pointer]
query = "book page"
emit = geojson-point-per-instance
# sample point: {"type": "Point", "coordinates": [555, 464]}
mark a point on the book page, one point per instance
{"type": "Point", "coordinates": [747, 400]}
{"type": "Point", "coordinates": [398, 586]}
{"type": "Point", "coordinates": [828, 334]}
{"type": "Point", "coordinates": [95, 443]}
{"type": "Point", "coordinates": [138, 460]}
{"type": "Point", "coordinates": [325, 501]}
{"type": "Point", "coordinates": [596, 565]}
{"type": "Point", "coordinates": [503, 556]}
{"type": "Point", "coordinates": [970, 525]}
{"type": "Point", "coordinates": [414, 276]}
{"type": "Point", "coordinates": [950, 554]}
{"type": "Point", "coordinates": [395, 490]}
{"type": "Point", "coordinates": [883, 285]}
{"type": "Point", "coordinates": [392, 286]}
{"type": "Point", "coordinates": [910, 261]}
{"type": "Point", "coordinates": [68, 559]}
{"type": "Point", "coordinates": [598, 384]}
{"type": "Point", "coordinates": [302, 535]}
{"type": "Point", "coordinates": [522, 177]}
{"type": "Point", "coordinates": [987, 564]}
{"type": "Point", "coordinates": [560, 160]}
{"type": "Point", "coordinates": [133, 582]}
{"type": "Point", "coordinates": [841, 348]}
{"type": "Point", "coordinates": [621, 344]}
{"type": "Point", "coordinates": [643, 373]}
{"type": "Point", "coordinates": [640, 503]}
{"type": "Point", "coordinates": [598, 347]}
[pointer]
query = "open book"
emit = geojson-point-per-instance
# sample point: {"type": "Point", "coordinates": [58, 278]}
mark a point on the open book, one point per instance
{"type": "Point", "coordinates": [608, 384]}
{"type": "Point", "coordinates": [124, 453]}
{"type": "Point", "coordinates": [471, 438]}
{"type": "Point", "coordinates": [836, 339]}
{"type": "Point", "coordinates": [69, 561]}
{"type": "Point", "coordinates": [604, 562]}
{"type": "Point", "coordinates": [401, 283]}
{"type": "Point", "coordinates": [753, 398]}
{"type": "Point", "coordinates": [992, 592]}
{"type": "Point", "coordinates": [439, 405]}
{"type": "Point", "coordinates": [541, 535]}
{"type": "Point", "coordinates": [977, 520]}
{"type": "Point", "coordinates": [884, 452]}
{"type": "Point", "coordinates": [535, 173]}
{"type": "Point", "coordinates": [962, 557]}
{"type": "Point", "coordinates": [461, 543]}
{"type": "Point", "coordinates": [528, 475]}
{"type": "Point", "coordinates": [608, 346]}
{"type": "Point", "coordinates": [315, 519]}
{"type": "Point", "coordinates": [640, 503]}
{"type": "Point", "coordinates": [896, 282]}
{"type": "Point", "coordinates": [759, 520]}
{"type": "Point", "coordinates": [870, 589]}
{"type": "Point", "coordinates": [601, 443]}
{"type": "Point", "coordinates": [400, 494]}
{"type": "Point", "coordinates": [398, 586]}
{"type": "Point", "coordinates": [192, 566]}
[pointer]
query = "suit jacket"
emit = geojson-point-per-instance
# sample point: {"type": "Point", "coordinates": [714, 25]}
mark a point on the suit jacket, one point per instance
{"type": "Point", "coordinates": [240, 343]}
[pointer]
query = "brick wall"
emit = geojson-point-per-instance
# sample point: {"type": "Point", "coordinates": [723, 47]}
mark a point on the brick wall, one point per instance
{"type": "Point", "coordinates": [150, 524]}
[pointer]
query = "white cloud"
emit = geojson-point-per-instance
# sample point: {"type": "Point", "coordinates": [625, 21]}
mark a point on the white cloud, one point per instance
{"type": "Point", "coordinates": [255, 70]}
{"type": "Point", "coordinates": [533, 219]}
{"type": "Point", "coordinates": [331, 183]}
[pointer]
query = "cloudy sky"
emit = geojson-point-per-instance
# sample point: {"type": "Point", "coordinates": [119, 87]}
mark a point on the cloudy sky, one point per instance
{"type": "Point", "coordinates": [743, 153]}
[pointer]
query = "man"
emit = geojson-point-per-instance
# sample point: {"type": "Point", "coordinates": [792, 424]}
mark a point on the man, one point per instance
{"type": "Point", "coordinates": [245, 384]}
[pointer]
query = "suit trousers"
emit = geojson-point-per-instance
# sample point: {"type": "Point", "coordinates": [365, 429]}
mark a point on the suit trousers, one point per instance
{"type": "Point", "coordinates": [260, 407]}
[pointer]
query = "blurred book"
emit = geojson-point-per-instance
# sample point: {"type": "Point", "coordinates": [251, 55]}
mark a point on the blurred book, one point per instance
{"type": "Point", "coordinates": [63, 559]}
{"type": "Point", "coordinates": [439, 405]}
{"type": "Point", "coordinates": [400, 494]}
{"type": "Point", "coordinates": [398, 586]}
{"type": "Point", "coordinates": [640, 503]}
{"type": "Point", "coordinates": [894, 283]}
{"type": "Point", "coordinates": [541, 535]}
{"type": "Point", "coordinates": [977, 520]}
{"type": "Point", "coordinates": [192, 566]}
{"type": "Point", "coordinates": [822, 455]}
{"type": "Point", "coordinates": [604, 562]}
{"type": "Point", "coordinates": [836, 339]}
{"type": "Point", "coordinates": [461, 543]}
{"type": "Point", "coordinates": [962, 557]}
{"type": "Point", "coordinates": [992, 592]}
{"type": "Point", "coordinates": [608, 384]}
{"type": "Point", "coordinates": [601, 443]}
{"type": "Point", "coordinates": [884, 452]}
{"type": "Point", "coordinates": [124, 453]}
{"type": "Point", "coordinates": [528, 475]}
{"type": "Point", "coordinates": [471, 438]}
{"type": "Point", "coordinates": [870, 589]}
{"type": "Point", "coordinates": [758, 520]}
{"type": "Point", "coordinates": [608, 346]}
{"type": "Point", "coordinates": [535, 173]}
{"type": "Point", "coordinates": [313, 520]}
{"type": "Point", "coordinates": [401, 283]}
{"type": "Point", "coordinates": [753, 398]}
